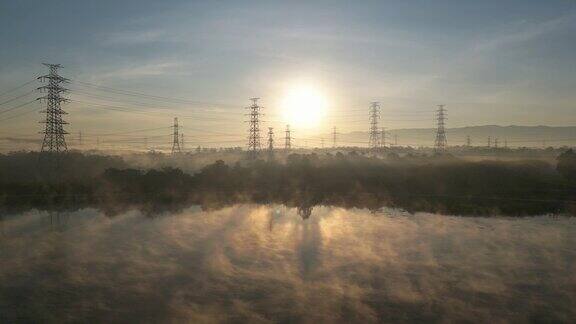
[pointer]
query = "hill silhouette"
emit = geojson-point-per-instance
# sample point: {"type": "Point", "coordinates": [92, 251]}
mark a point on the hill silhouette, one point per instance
{"type": "Point", "coordinates": [516, 136]}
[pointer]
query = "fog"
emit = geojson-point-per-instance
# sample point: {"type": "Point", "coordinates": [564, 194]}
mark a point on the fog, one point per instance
{"type": "Point", "coordinates": [267, 264]}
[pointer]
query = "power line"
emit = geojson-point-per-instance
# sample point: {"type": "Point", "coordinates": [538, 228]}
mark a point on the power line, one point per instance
{"type": "Point", "coordinates": [149, 113]}
{"type": "Point", "coordinates": [19, 115]}
{"type": "Point", "coordinates": [143, 104]}
{"type": "Point", "coordinates": [16, 98]}
{"type": "Point", "coordinates": [16, 107]}
{"type": "Point", "coordinates": [153, 97]}
{"type": "Point", "coordinates": [18, 87]}
{"type": "Point", "coordinates": [132, 131]}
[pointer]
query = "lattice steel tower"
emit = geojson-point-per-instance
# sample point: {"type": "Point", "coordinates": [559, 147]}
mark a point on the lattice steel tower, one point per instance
{"type": "Point", "coordinates": [175, 138]}
{"type": "Point", "coordinates": [374, 118]}
{"type": "Point", "coordinates": [440, 143]}
{"type": "Point", "coordinates": [54, 132]}
{"type": "Point", "coordinates": [254, 129]}
{"type": "Point", "coordinates": [287, 139]}
{"type": "Point", "coordinates": [270, 138]}
{"type": "Point", "coordinates": [270, 142]}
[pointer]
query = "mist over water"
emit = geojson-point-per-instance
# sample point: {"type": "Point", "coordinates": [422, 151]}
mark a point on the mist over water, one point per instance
{"type": "Point", "coordinates": [276, 264]}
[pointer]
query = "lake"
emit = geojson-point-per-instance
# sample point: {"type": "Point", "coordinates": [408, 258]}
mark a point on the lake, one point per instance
{"type": "Point", "coordinates": [252, 263]}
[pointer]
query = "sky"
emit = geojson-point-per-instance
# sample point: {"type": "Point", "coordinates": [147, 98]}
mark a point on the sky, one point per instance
{"type": "Point", "coordinates": [490, 62]}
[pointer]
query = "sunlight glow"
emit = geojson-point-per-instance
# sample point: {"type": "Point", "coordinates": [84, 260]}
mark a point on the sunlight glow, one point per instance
{"type": "Point", "coordinates": [304, 106]}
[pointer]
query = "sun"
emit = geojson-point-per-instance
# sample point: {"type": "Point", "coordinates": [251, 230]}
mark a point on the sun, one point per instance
{"type": "Point", "coordinates": [303, 106]}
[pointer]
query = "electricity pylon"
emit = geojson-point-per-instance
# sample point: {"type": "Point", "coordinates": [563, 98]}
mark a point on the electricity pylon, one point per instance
{"type": "Point", "coordinates": [175, 138]}
{"type": "Point", "coordinates": [383, 137]}
{"type": "Point", "coordinates": [468, 141]}
{"type": "Point", "coordinates": [287, 139]}
{"type": "Point", "coordinates": [54, 132]}
{"type": "Point", "coordinates": [440, 142]}
{"type": "Point", "coordinates": [374, 117]}
{"type": "Point", "coordinates": [254, 129]}
{"type": "Point", "coordinates": [270, 142]}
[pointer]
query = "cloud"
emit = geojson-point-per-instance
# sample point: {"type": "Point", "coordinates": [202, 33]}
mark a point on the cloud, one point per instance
{"type": "Point", "coordinates": [521, 32]}
{"type": "Point", "coordinates": [132, 37]}
{"type": "Point", "coordinates": [141, 70]}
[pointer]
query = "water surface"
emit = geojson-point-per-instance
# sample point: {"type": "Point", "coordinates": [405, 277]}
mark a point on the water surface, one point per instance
{"type": "Point", "coordinates": [276, 264]}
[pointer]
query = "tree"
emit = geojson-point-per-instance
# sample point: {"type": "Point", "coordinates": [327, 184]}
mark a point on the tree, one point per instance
{"type": "Point", "coordinates": [566, 164]}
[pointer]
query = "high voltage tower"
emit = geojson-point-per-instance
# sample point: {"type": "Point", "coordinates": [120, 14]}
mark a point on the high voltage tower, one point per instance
{"type": "Point", "coordinates": [374, 118]}
{"type": "Point", "coordinates": [270, 141]}
{"type": "Point", "coordinates": [440, 142]}
{"type": "Point", "coordinates": [334, 134]}
{"type": "Point", "coordinates": [175, 138]}
{"type": "Point", "coordinates": [254, 129]}
{"type": "Point", "coordinates": [287, 139]}
{"type": "Point", "coordinates": [383, 137]}
{"type": "Point", "coordinates": [270, 138]}
{"type": "Point", "coordinates": [54, 132]}
{"type": "Point", "coordinates": [468, 141]}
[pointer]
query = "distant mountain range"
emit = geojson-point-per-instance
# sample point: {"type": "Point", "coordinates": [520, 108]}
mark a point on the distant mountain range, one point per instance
{"type": "Point", "coordinates": [513, 136]}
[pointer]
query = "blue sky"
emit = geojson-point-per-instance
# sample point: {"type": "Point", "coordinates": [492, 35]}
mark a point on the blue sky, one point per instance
{"type": "Point", "coordinates": [490, 62]}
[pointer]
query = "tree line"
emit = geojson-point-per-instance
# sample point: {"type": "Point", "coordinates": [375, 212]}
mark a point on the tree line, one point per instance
{"type": "Point", "coordinates": [439, 184]}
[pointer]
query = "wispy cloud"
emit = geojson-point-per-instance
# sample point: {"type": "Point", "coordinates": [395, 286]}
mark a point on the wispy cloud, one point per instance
{"type": "Point", "coordinates": [521, 32]}
{"type": "Point", "coordinates": [132, 37]}
{"type": "Point", "coordinates": [139, 70]}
